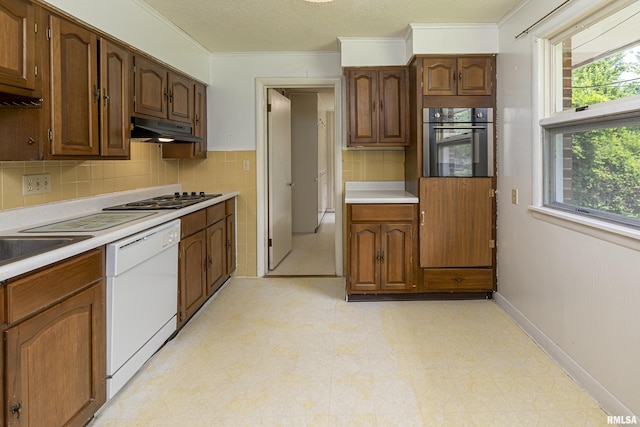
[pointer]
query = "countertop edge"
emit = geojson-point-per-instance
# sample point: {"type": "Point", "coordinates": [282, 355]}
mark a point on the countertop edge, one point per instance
{"type": "Point", "coordinates": [99, 238]}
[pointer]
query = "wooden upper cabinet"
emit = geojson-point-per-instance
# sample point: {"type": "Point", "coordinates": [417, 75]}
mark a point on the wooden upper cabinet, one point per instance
{"type": "Point", "coordinates": [469, 75]}
{"type": "Point", "coordinates": [115, 63]}
{"type": "Point", "coordinates": [74, 89]}
{"type": "Point", "coordinates": [18, 52]}
{"type": "Point", "coordinates": [151, 90]}
{"type": "Point", "coordinates": [456, 228]}
{"type": "Point", "coordinates": [200, 119]}
{"type": "Point", "coordinates": [180, 98]}
{"type": "Point", "coordinates": [161, 93]}
{"type": "Point", "coordinates": [377, 106]}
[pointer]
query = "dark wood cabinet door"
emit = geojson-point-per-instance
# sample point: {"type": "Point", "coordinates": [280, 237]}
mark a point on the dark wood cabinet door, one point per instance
{"type": "Point", "coordinates": [456, 222]}
{"type": "Point", "coordinates": [474, 75]}
{"type": "Point", "coordinates": [439, 76]}
{"type": "Point", "coordinates": [55, 363]}
{"type": "Point", "coordinates": [193, 275]}
{"type": "Point", "coordinates": [151, 90]}
{"type": "Point", "coordinates": [392, 126]}
{"type": "Point", "coordinates": [231, 241]}
{"type": "Point", "coordinates": [18, 57]}
{"type": "Point", "coordinates": [115, 118]}
{"type": "Point", "coordinates": [362, 101]}
{"type": "Point", "coordinates": [180, 106]}
{"type": "Point", "coordinates": [74, 89]}
{"type": "Point", "coordinates": [200, 120]}
{"type": "Point", "coordinates": [364, 257]}
{"type": "Point", "coordinates": [216, 256]}
{"type": "Point", "coordinates": [395, 252]}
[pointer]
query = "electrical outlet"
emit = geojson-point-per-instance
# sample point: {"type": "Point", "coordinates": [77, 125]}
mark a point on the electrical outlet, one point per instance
{"type": "Point", "coordinates": [514, 196]}
{"type": "Point", "coordinates": [36, 184]}
{"type": "Point", "coordinates": [245, 165]}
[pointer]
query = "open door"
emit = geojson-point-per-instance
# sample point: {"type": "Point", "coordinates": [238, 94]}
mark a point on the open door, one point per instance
{"type": "Point", "coordinates": [279, 146]}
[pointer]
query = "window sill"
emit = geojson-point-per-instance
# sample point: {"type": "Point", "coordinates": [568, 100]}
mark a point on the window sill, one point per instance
{"type": "Point", "coordinates": [613, 233]}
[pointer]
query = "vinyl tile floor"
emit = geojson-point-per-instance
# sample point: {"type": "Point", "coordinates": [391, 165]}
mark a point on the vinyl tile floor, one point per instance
{"type": "Point", "coordinates": [292, 352]}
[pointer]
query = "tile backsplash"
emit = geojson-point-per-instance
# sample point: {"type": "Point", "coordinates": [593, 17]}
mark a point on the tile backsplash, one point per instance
{"type": "Point", "coordinates": [221, 171]}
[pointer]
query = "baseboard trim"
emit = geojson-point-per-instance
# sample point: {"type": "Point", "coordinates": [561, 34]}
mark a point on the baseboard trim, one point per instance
{"type": "Point", "coordinates": [602, 395]}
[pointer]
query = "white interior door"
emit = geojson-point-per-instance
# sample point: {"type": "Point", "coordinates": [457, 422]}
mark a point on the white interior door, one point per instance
{"type": "Point", "coordinates": [279, 143]}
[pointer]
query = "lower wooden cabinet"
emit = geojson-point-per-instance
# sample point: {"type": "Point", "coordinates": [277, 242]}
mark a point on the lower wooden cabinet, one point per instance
{"type": "Point", "coordinates": [55, 344]}
{"type": "Point", "coordinates": [381, 247]}
{"type": "Point", "coordinates": [207, 256]}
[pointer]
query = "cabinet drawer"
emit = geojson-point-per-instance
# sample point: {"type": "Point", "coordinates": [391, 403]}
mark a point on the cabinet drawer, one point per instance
{"type": "Point", "coordinates": [230, 206]}
{"type": "Point", "coordinates": [215, 213]}
{"type": "Point", "coordinates": [193, 222]}
{"type": "Point", "coordinates": [382, 213]}
{"type": "Point", "coordinates": [458, 279]}
{"type": "Point", "coordinates": [46, 287]}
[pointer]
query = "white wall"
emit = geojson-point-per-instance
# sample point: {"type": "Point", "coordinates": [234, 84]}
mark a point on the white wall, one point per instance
{"type": "Point", "coordinates": [231, 99]}
{"type": "Point", "coordinates": [136, 24]}
{"type": "Point", "coordinates": [578, 295]}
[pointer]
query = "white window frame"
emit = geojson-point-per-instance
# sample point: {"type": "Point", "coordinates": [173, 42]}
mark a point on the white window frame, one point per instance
{"type": "Point", "coordinates": [543, 100]}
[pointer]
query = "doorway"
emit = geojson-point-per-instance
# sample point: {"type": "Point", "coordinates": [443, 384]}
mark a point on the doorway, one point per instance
{"type": "Point", "coordinates": [307, 256]}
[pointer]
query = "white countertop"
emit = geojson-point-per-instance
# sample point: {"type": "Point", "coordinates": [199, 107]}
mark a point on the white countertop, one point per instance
{"type": "Point", "coordinates": [14, 220]}
{"type": "Point", "coordinates": [377, 192]}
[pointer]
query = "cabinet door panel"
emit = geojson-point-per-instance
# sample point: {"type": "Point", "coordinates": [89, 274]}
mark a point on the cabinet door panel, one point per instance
{"type": "Point", "coordinates": [17, 57]}
{"type": "Point", "coordinates": [439, 76]}
{"type": "Point", "coordinates": [151, 88]}
{"type": "Point", "coordinates": [74, 89]}
{"type": "Point", "coordinates": [180, 98]}
{"type": "Point", "coordinates": [392, 126]}
{"type": "Point", "coordinates": [365, 262]}
{"type": "Point", "coordinates": [396, 254]}
{"type": "Point", "coordinates": [193, 274]}
{"type": "Point", "coordinates": [363, 98]}
{"type": "Point", "coordinates": [56, 364]}
{"type": "Point", "coordinates": [474, 76]}
{"type": "Point", "coordinates": [457, 222]}
{"type": "Point", "coordinates": [115, 65]}
{"type": "Point", "coordinates": [216, 256]}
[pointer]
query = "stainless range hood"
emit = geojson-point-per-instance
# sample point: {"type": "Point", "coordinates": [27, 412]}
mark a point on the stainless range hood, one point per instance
{"type": "Point", "coordinates": [154, 130]}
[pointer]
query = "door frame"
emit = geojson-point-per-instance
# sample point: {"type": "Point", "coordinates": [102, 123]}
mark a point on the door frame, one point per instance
{"type": "Point", "coordinates": [262, 229]}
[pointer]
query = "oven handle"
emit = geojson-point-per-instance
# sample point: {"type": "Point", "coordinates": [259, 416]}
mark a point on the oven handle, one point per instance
{"type": "Point", "coordinates": [459, 127]}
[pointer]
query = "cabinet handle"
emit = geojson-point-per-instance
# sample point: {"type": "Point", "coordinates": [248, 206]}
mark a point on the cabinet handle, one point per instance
{"type": "Point", "coordinates": [381, 106]}
{"type": "Point", "coordinates": [373, 105]}
{"type": "Point", "coordinates": [171, 96]}
{"type": "Point", "coordinates": [382, 256]}
{"type": "Point", "coordinates": [16, 409]}
{"type": "Point", "coordinates": [458, 279]}
{"type": "Point", "coordinates": [460, 76]}
{"type": "Point", "coordinates": [422, 214]}
{"type": "Point", "coordinates": [96, 94]}
{"type": "Point", "coordinates": [166, 94]}
{"type": "Point", "coordinates": [105, 97]}
{"type": "Point", "coordinates": [197, 119]}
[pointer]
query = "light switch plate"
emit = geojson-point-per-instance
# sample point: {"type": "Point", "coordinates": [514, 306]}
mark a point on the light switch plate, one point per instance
{"type": "Point", "coordinates": [36, 184]}
{"type": "Point", "coordinates": [514, 196]}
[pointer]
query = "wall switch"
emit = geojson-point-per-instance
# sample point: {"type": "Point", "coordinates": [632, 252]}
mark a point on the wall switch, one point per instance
{"type": "Point", "coordinates": [245, 165]}
{"type": "Point", "coordinates": [36, 184]}
{"type": "Point", "coordinates": [514, 196]}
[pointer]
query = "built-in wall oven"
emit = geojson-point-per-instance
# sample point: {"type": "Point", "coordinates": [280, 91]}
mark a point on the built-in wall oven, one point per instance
{"type": "Point", "coordinates": [457, 142]}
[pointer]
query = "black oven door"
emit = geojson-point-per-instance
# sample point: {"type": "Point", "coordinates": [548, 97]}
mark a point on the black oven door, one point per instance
{"type": "Point", "coordinates": [458, 150]}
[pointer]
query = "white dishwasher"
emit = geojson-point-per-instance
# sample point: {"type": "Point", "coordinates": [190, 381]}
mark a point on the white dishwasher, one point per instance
{"type": "Point", "coordinates": [142, 299]}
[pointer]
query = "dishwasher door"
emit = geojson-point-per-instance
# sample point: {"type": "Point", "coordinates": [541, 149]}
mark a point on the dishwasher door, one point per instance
{"type": "Point", "coordinates": [142, 300]}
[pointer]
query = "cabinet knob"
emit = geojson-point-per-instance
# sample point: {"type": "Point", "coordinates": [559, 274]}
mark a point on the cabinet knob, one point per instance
{"type": "Point", "coordinates": [17, 409]}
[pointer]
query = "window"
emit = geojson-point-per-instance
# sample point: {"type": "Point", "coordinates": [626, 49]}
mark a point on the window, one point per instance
{"type": "Point", "coordinates": [592, 134]}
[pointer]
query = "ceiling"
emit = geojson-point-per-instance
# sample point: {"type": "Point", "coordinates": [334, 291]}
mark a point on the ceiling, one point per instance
{"type": "Point", "coordinates": [298, 26]}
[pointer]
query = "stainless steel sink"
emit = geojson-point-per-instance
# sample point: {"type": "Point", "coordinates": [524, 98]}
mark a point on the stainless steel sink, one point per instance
{"type": "Point", "coordinates": [15, 248]}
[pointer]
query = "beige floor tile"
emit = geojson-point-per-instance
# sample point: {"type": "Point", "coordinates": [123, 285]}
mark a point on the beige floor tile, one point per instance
{"type": "Point", "coordinates": [292, 352]}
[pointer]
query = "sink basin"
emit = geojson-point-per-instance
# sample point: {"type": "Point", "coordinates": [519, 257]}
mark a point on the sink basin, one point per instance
{"type": "Point", "coordinates": [14, 248]}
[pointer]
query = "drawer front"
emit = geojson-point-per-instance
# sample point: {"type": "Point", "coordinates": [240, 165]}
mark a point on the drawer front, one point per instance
{"type": "Point", "coordinates": [193, 222]}
{"type": "Point", "coordinates": [458, 279]}
{"type": "Point", "coordinates": [231, 206]}
{"type": "Point", "coordinates": [383, 213]}
{"type": "Point", "coordinates": [215, 213]}
{"type": "Point", "coordinates": [39, 290]}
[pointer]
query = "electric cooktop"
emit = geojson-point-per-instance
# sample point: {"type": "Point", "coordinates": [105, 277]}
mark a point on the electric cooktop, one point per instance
{"type": "Point", "coordinates": [170, 201]}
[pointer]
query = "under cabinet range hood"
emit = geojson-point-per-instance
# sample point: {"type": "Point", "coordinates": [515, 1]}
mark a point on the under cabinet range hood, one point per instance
{"type": "Point", "coordinates": [153, 130]}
